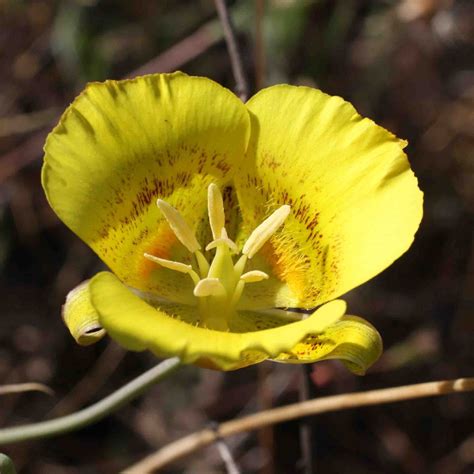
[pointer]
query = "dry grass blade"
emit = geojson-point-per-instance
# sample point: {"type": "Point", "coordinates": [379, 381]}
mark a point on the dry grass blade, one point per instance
{"type": "Point", "coordinates": [24, 123]}
{"type": "Point", "coordinates": [25, 387]}
{"type": "Point", "coordinates": [200, 439]}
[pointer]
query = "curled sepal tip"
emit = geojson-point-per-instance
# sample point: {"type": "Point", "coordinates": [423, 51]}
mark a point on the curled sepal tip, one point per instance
{"type": "Point", "coordinates": [80, 316]}
{"type": "Point", "coordinates": [351, 339]}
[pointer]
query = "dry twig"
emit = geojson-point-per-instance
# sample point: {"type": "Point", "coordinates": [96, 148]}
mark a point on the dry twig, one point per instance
{"type": "Point", "coordinates": [200, 439]}
{"type": "Point", "coordinates": [173, 58]}
{"type": "Point", "coordinates": [241, 85]}
{"type": "Point", "coordinates": [88, 386]}
{"type": "Point", "coordinates": [307, 392]}
{"type": "Point", "coordinates": [24, 123]}
{"type": "Point", "coordinates": [182, 52]}
{"type": "Point", "coordinates": [260, 60]}
{"type": "Point", "coordinates": [25, 387]}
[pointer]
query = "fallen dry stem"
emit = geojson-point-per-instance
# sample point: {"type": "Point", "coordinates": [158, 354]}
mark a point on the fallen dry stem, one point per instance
{"type": "Point", "coordinates": [25, 387]}
{"type": "Point", "coordinates": [195, 441]}
{"type": "Point", "coordinates": [225, 18]}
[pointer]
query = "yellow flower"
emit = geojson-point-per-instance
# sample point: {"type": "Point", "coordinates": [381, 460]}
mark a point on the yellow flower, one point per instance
{"type": "Point", "coordinates": [216, 216]}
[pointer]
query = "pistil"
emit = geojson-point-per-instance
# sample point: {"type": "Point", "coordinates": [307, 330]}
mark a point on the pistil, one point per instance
{"type": "Point", "coordinates": [218, 285]}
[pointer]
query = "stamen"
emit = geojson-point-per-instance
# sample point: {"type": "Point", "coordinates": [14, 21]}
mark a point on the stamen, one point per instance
{"type": "Point", "coordinates": [219, 284]}
{"type": "Point", "coordinates": [179, 226]}
{"type": "Point", "coordinates": [265, 230]}
{"type": "Point", "coordinates": [239, 288]}
{"type": "Point", "coordinates": [172, 265]}
{"type": "Point", "coordinates": [215, 207]}
{"type": "Point", "coordinates": [240, 265]}
{"type": "Point", "coordinates": [203, 264]}
{"type": "Point", "coordinates": [209, 287]}
{"type": "Point", "coordinates": [254, 276]}
{"type": "Point", "coordinates": [223, 239]}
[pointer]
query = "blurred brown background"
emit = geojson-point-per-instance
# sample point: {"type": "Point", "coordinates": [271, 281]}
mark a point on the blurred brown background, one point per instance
{"type": "Point", "coordinates": [408, 65]}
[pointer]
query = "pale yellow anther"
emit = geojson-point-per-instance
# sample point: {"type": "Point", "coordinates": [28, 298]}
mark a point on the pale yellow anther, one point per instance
{"type": "Point", "coordinates": [215, 207]}
{"type": "Point", "coordinates": [254, 276]}
{"type": "Point", "coordinates": [209, 287]}
{"type": "Point", "coordinates": [265, 230]}
{"type": "Point", "coordinates": [172, 265]}
{"type": "Point", "coordinates": [179, 226]}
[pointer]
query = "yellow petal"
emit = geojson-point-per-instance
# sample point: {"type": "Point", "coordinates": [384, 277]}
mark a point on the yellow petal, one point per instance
{"type": "Point", "coordinates": [80, 316]}
{"type": "Point", "coordinates": [123, 144]}
{"type": "Point", "coordinates": [355, 203]}
{"type": "Point", "coordinates": [352, 340]}
{"type": "Point", "coordinates": [138, 326]}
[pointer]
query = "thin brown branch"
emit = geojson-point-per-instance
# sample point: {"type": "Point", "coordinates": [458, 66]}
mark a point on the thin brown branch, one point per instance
{"type": "Point", "coordinates": [226, 455]}
{"type": "Point", "coordinates": [260, 60]}
{"type": "Point", "coordinates": [21, 156]}
{"type": "Point", "coordinates": [25, 123]}
{"type": "Point", "coordinates": [241, 86]}
{"type": "Point", "coordinates": [182, 52]}
{"type": "Point", "coordinates": [266, 436]}
{"type": "Point", "coordinates": [88, 386]}
{"type": "Point", "coordinates": [200, 439]}
{"type": "Point", "coordinates": [307, 392]}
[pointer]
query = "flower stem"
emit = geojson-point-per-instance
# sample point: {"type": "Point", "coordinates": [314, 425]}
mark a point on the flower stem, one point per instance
{"type": "Point", "coordinates": [93, 413]}
{"type": "Point", "coordinates": [6, 465]}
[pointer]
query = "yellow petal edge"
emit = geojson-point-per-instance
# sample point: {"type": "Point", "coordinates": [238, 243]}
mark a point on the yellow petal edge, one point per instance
{"type": "Point", "coordinates": [138, 326]}
{"type": "Point", "coordinates": [355, 201]}
{"type": "Point", "coordinates": [121, 145]}
{"type": "Point", "coordinates": [352, 340]}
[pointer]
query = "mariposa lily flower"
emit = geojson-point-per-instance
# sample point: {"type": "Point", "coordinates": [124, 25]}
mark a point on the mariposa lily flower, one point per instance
{"type": "Point", "coordinates": [226, 224]}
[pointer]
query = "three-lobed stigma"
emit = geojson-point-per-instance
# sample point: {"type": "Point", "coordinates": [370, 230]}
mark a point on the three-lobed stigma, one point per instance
{"type": "Point", "coordinates": [218, 285]}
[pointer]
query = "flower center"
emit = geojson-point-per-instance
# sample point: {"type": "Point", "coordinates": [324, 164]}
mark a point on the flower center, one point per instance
{"type": "Point", "coordinates": [218, 285]}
